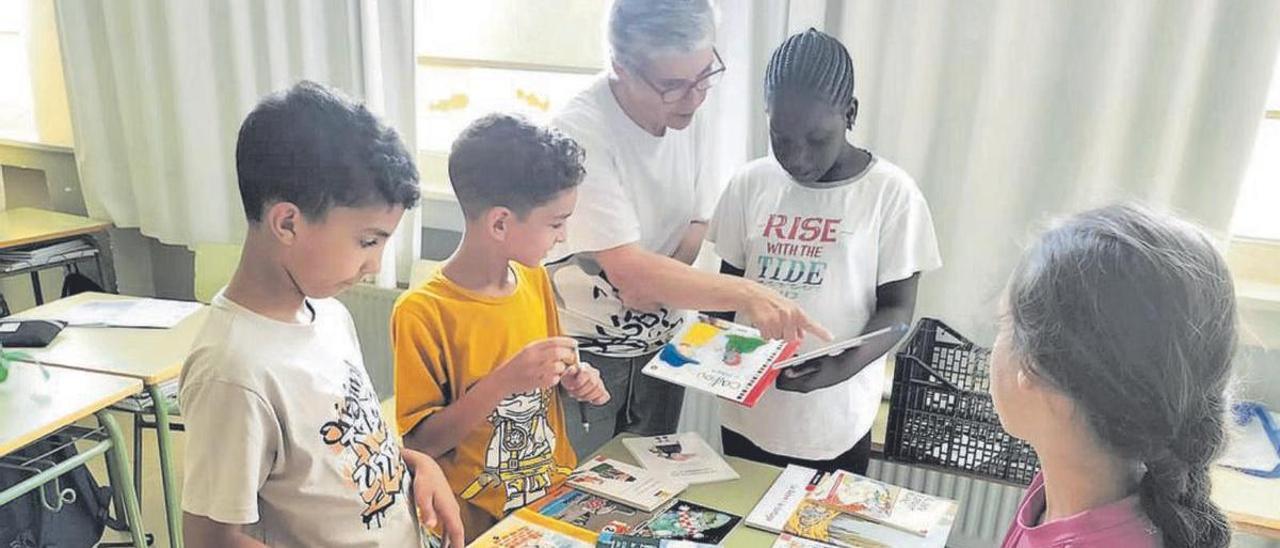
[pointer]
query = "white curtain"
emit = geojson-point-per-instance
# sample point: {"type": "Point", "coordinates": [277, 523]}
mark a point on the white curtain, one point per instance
{"type": "Point", "coordinates": [158, 90]}
{"type": "Point", "coordinates": [1010, 112]}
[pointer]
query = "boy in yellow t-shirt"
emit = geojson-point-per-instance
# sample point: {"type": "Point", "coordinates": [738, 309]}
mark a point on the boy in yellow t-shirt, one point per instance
{"type": "Point", "coordinates": [478, 351]}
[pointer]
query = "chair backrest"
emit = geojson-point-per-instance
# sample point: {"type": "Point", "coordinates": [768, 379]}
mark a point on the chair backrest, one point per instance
{"type": "Point", "coordinates": [215, 263]}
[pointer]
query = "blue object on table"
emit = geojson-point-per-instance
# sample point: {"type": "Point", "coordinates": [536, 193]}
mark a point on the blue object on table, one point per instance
{"type": "Point", "coordinates": [1246, 412]}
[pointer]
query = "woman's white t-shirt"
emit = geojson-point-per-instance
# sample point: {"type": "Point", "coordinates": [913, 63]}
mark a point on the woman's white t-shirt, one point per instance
{"type": "Point", "coordinates": [826, 246]}
{"type": "Point", "coordinates": [639, 189]}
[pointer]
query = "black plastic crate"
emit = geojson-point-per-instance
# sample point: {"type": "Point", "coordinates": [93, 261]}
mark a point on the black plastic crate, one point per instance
{"type": "Point", "coordinates": [941, 415]}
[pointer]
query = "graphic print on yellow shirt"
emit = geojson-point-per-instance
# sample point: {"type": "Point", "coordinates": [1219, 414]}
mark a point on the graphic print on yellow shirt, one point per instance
{"type": "Point", "coordinates": [373, 464]}
{"type": "Point", "coordinates": [446, 339]}
{"type": "Point", "coordinates": [520, 452]}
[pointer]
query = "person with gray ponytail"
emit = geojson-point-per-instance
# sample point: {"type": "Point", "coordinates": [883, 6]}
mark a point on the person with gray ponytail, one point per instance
{"type": "Point", "coordinates": [624, 274]}
{"type": "Point", "coordinates": [1113, 361]}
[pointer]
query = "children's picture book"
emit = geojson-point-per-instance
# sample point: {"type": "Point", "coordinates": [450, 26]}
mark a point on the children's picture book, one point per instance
{"type": "Point", "coordinates": [881, 502]}
{"type": "Point", "coordinates": [793, 506]}
{"type": "Point", "coordinates": [720, 357]}
{"type": "Point", "coordinates": [816, 521]}
{"type": "Point", "coordinates": [783, 497]}
{"type": "Point", "coordinates": [527, 529]}
{"type": "Point", "coordinates": [685, 520]}
{"type": "Point", "coordinates": [786, 540]}
{"type": "Point", "coordinates": [622, 482]}
{"type": "Point", "coordinates": [684, 457]}
{"type": "Point", "coordinates": [609, 540]}
{"type": "Point", "coordinates": [824, 524]}
{"type": "Point", "coordinates": [591, 512]}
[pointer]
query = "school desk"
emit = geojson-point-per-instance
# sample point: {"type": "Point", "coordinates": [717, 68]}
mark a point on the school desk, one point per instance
{"type": "Point", "coordinates": [1251, 503]}
{"type": "Point", "coordinates": [27, 226]}
{"type": "Point", "coordinates": [152, 356]}
{"type": "Point", "coordinates": [34, 408]}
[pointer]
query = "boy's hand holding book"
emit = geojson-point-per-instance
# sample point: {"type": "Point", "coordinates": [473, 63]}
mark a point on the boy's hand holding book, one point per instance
{"type": "Point", "coordinates": [539, 365]}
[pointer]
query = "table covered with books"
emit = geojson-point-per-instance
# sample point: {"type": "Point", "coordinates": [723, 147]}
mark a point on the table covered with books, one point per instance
{"type": "Point", "coordinates": [748, 511]}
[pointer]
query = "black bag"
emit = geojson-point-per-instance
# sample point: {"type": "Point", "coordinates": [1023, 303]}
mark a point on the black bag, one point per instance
{"type": "Point", "coordinates": [73, 284]}
{"type": "Point", "coordinates": [26, 522]}
{"type": "Point", "coordinates": [29, 333]}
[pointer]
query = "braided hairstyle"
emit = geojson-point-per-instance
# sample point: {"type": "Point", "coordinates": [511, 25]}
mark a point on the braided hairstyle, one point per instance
{"type": "Point", "coordinates": [1132, 314]}
{"type": "Point", "coordinates": [812, 61]}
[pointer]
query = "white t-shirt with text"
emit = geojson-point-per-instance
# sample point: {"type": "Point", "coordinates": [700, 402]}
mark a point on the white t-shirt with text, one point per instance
{"type": "Point", "coordinates": [827, 246]}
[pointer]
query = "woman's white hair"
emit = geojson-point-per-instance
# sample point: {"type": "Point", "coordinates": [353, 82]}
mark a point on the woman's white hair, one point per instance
{"type": "Point", "coordinates": [641, 30]}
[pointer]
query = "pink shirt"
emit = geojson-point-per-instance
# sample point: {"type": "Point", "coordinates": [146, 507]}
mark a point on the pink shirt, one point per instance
{"type": "Point", "coordinates": [1121, 523]}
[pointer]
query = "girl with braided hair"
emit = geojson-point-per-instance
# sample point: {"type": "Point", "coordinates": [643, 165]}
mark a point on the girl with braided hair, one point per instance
{"type": "Point", "coordinates": [1113, 362]}
{"type": "Point", "coordinates": [841, 232]}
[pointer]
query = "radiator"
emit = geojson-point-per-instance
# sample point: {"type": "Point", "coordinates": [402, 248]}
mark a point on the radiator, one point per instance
{"type": "Point", "coordinates": [370, 308]}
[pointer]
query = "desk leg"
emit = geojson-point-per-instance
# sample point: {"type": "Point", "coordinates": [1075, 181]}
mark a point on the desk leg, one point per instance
{"type": "Point", "coordinates": [137, 454]}
{"type": "Point", "coordinates": [118, 470]}
{"type": "Point", "coordinates": [35, 287]}
{"type": "Point", "coordinates": [172, 506]}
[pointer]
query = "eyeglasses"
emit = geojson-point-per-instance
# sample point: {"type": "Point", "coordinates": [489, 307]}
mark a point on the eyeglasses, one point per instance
{"type": "Point", "coordinates": [675, 94]}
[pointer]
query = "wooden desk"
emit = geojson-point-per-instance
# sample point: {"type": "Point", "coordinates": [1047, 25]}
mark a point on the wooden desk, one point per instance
{"type": "Point", "coordinates": [33, 408]}
{"type": "Point", "coordinates": [1251, 503]}
{"type": "Point", "coordinates": [153, 356]}
{"type": "Point", "coordinates": [27, 225]}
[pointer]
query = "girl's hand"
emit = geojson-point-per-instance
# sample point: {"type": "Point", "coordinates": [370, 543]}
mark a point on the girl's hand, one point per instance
{"type": "Point", "coordinates": [435, 500]}
{"type": "Point", "coordinates": [817, 374]}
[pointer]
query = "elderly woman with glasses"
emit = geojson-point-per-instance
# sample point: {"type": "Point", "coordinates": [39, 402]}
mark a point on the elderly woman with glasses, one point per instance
{"type": "Point", "coordinates": [624, 277]}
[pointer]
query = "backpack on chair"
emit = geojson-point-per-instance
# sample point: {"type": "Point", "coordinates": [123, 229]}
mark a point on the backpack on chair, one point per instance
{"type": "Point", "coordinates": [75, 283]}
{"type": "Point", "coordinates": [69, 511]}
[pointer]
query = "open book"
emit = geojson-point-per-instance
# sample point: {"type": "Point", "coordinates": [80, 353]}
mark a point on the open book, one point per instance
{"type": "Point", "coordinates": [733, 361]}
{"type": "Point", "coordinates": [723, 358]}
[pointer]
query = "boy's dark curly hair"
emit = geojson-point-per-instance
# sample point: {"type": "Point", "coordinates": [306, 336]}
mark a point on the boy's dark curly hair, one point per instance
{"type": "Point", "coordinates": [504, 160]}
{"type": "Point", "coordinates": [315, 148]}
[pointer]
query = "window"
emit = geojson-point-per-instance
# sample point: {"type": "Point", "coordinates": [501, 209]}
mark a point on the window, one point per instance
{"type": "Point", "coordinates": [33, 96]}
{"type": "Point", "coordinates": [17, 109]}
{"type": "Point", "coordinates": [1255, 215]}
{"type": "Point", "coordinates": [482, 56]}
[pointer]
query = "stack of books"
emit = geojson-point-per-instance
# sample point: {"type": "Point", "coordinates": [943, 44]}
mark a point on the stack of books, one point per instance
{"type": "Point", "coordinates": [18, 259]}
{"type": "Point", "coordinates": [848, 510]}
{"type": "Point", "coordinates": [613, 504]}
